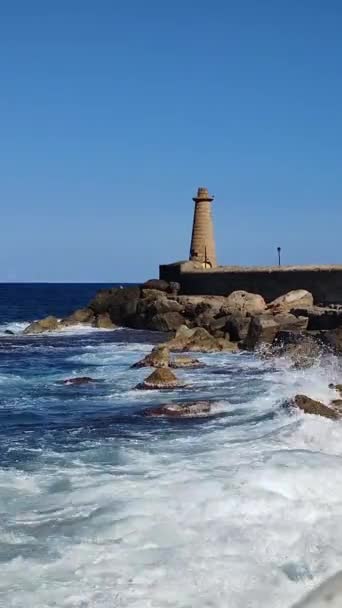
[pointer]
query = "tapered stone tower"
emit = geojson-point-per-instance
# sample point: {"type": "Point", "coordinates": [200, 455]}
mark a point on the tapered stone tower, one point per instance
{"type": "Point", "coordinates": [202, 241]}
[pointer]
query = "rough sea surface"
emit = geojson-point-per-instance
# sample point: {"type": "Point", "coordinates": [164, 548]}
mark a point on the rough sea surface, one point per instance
{"type": "Point", "coordinates": [101, 507]}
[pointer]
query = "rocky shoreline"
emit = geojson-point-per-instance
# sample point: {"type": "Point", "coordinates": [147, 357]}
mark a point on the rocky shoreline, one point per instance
{"type": "Point", "coordinates": [291, 326]}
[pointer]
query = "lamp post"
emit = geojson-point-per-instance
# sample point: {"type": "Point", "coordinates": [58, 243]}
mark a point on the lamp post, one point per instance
{"type": "Point", "coordinates": [279, 250]}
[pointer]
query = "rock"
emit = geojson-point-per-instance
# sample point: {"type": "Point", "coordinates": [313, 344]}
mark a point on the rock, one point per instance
{"type": "Point", "coordinates": [103, 321]}
{"type": "Point", "coordinates": [152, 294]}
{"type": "Point", "coordinates": [336, 387]}
{"type": "Point", "coordinates": [310, 406]}
{"type": "Point", "coordinates": [168, 321]}
{"type": "Point", "coordinates": [81, 316]}
{"type": "Point", "coordinates": [320, 318]}
{"type": "Point", "coordinates": [194, 306]}
{"type": "Point", "coordinates": [287, 321]}
{"type": "Point", "coordinates": [157, 284]}
{"type": "Point", "coordinates": [236, 326]}
{"type": "Point", "coordinates": [174, 288]}
{"type": "Point", "coordinates": [158, 357]}
{"type": "Point", "coordinates": [163, 305]}
{"type": "Point", "coordinates": [9, 332]}
{"type": "Point", "coordinates": [180, 410]}
{"type": "Point", "coordinates": [245, 302]}
{"type": "Point", "coordinates": [302, 348]}
{"type": "Point", "coordinates": [297, 298]}
{"type": "Point", "coordinates": [332, 339]}
{"type": "Point", "coordinates": [120, 303]}
{"type": "Point", "coordinates": [337, 404]}
{"type": "Point", "coordinates": [198, 340]}
{"type": "Point", "coordinates": [189, 362]}
{"type": "Point", "coordinates": [162, 378]}
{"type": "Point", "coordinates": [79, 380]}
{"type": "Point", "coordinates": [262, 330]}
{"type": "Point", "coordinates": [46, 324]}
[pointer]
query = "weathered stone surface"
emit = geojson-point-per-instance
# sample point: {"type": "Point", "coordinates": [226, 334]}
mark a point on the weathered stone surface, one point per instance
{"type": "Point", "coordinates": [321, 318]}
{"type": "Point", "coordinates": [159, 379]}
{"type": "Point", "coordinates": [46, 324]}
{"type": "Point", "coordinates": [336, 387]}
{"type": "Point", "coordinates": [180, 410]}
{"type": "Point", "coordinates": [79, 380]}
{"type": "Point", "coordinates": [152, 294]}
{"type": "Point", "coordinates": [119, 303]}
{"type": "Point", "coordinates": [104, 321]}
{"type": "Point", "coordinates": [158, 357]}
{"type": "Point", "coordinates": [310, 406]}
{"type": "Point", "coordinates": [237, 325]}
{"type": "Point", "coordinates": [198, 340]}
{"type": "Point", "coordinates": [168, 321]}
{"type": "Point", "coordinates": [83, 315]}
{"type": "Point", "coordinates": [262, 330]}
{"type": "Point", "coordinates": [158, 284]}
{"type": "Point", "coordinates": [288, 321]}
{"type": "Point", "coordinates": [184, 361]}
{"type": "Point", "coordinates": [298, 298]}
{"type": "Point", "coordinates": [245, 302]}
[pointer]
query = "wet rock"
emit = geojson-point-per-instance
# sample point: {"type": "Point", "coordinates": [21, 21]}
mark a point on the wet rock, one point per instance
{"type": "Point", "coordinates": [79, 380]}
{"type": "Point", "coordinates": [310, 406]}
{"type": "Point", "coordinates": [333, 339]}
{"type": "Point", "coordinates": [158, 357]}
{"type": "Point", "coordinates": [180, 410]}
{"type": "Point", "coordinates": [237, 325]}
{"type": "Point", "coordinates": [82, 316]}
{"type": "Point", "coordinates": [103, 321]}
{"type": "Point", "coordinates": [262, 330]}
{"type": "Point", "coordinates": [297, 298]}
{"type": "Point", "coordinates": [47, 324]}
{"type": "Point", "coordinates": [245, 302]}
{"type": "Point", "coordinates": [162, 378]}
{"type": "Point", "coordinates": [183, 361]}
{"type": "Point", "coordinates": [9, 332]}
{"type": "Point", "coordinates": [302, 348]}
{"type": "Point", "coordinates": [157, 284]}
{"type": "Point", "coordinates": [336, 387]}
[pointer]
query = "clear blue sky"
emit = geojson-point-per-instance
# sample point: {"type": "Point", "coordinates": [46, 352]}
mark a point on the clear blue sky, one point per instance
{"type": "Point", "coordinates": [112, 113]}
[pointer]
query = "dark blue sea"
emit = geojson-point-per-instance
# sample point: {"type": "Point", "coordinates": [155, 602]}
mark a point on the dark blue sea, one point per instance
{"type": "Point", "coordinates": [103, 508]}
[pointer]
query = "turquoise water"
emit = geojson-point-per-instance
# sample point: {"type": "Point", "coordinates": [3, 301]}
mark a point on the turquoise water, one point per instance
{"type": "Point", "coordinates": [101, 507]}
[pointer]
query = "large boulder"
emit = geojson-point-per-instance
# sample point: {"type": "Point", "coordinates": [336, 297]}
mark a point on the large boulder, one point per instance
{"type": "Point", "coordinates": [120, 303]}
{"type": "Point", "coordinates": [262, 330]}
{"type": "Point", "coordinates": [158, 357]}
{"type": "Point", "coordinates": [104, 321]}
{"type": "Point", "coordinates": [81, 316]}
{"type": "Point", "coordinates": [157, 284]}
{"type": "Point", "coordinates": [47, 324]}
{"type": "Point", "coordinates": [161, 378]}
{"type": "Point", "coordinates": [168, 321]}
{"type": "Point", "coordinates": [237, 325]}
{"type": "Point", "coordinates": [180, 410]}
{"type": "Point", "coordinates": [297, 298]}
{"type": "Point", "coordinates": [332, 339]}
{"type": "Point", "coordinates": [245, 302]}
{"type": "Point", "coordinates": [287, 321]}
{"type": "Point", "coordinates": [311, 406]}
{"type": "Point", "coordinates": [198, 340]}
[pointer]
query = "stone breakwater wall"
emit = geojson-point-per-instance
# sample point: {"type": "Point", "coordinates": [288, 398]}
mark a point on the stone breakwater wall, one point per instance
{"type": "Point", "coordinates": [324, 282]}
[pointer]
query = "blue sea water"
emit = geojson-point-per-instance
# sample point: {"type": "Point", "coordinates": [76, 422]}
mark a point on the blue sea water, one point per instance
{"type": "Point", "coordinates": [101, 507]}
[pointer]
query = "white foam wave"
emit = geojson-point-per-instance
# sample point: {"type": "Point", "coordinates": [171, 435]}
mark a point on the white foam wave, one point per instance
{"type": "Point", "coordinates": [15, 327]}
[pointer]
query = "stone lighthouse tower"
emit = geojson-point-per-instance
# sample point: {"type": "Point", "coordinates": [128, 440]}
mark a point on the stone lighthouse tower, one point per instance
{"type": "Point", "coordinates": [202, 241]}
